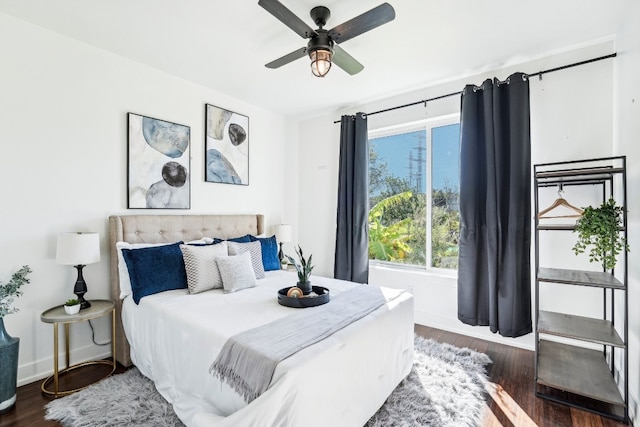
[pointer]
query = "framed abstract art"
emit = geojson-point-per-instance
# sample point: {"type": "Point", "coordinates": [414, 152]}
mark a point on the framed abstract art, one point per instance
{"type": "Point", "coordinates": [158, 164]}
{"type": "Point", "coordinates": [226, 146]}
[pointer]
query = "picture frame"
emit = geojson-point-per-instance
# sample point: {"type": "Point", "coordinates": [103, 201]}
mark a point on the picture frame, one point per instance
{"type": "Point", "coordinates": [158, 170]}
{"type": "Point", "coordinates": [226, 157]}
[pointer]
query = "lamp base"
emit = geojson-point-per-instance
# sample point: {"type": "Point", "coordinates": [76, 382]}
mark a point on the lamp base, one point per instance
{"type": "Point", "coordinates": [83, 302]}
{"type": "Point", "coordinates": [81, 288]}
{"type": "Point", "coordinates": [280, 253]}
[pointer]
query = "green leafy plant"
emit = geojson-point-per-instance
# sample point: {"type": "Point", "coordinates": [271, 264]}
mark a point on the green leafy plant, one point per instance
{"type": "Point", "coordinates": [303, 268]}
{"type": "Point", "coordinates": [389, 242]}
{"type": "Point", "coordinates": [599, 229]}
{"type": "Point", "coordinates": [10, 291]}
{"type": "Point", "coordinates": [72, 302]}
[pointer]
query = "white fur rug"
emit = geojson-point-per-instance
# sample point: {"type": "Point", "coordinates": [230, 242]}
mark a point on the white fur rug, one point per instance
{"type": "Point", "coordinates": [446, 387]}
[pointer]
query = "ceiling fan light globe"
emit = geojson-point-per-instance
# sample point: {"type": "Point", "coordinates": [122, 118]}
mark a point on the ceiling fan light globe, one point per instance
{"type": "Point", "coordinates": [320, 62]}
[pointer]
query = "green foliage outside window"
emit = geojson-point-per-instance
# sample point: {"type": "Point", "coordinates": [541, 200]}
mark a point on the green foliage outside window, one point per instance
{"type": "Point", "coordinates": [398, 221]}
{"type": "Point", "coordinates": [444, 237]}
{"type": "Point", "coordinates": [388, 239]}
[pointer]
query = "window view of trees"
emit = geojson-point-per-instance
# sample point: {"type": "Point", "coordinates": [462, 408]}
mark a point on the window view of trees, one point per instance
{"type": "Point", "coordinates": [401, 222]}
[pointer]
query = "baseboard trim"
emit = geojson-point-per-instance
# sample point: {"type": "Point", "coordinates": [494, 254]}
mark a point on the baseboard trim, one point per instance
{"type": "Point", "coordinates": [481, 332]}
{"type": "Point", "coordinates": [43, 368]}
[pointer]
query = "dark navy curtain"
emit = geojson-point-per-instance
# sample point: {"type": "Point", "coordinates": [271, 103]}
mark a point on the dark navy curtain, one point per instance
{"type": "Point", "coordinates": [494, 272]}
{"type": "Point", "coordinates": [352, 227]}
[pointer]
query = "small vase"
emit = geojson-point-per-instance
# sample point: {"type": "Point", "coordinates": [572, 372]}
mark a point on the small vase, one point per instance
{"type": "Point", "coordinates": [9, 373]}
{"type": "Point", "coordinates": [305, 287]}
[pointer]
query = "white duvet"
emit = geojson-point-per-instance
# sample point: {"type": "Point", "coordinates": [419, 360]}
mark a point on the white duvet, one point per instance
{"type": "Point", "coordinates": [340, 381]}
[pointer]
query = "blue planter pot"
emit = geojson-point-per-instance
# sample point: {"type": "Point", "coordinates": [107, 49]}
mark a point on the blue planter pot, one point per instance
{"type": "Point", "coordinates": [9, 372]}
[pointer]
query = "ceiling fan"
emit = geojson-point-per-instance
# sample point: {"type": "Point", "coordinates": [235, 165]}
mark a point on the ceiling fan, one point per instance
{"type": "Point", "coordinates": [323, 47]}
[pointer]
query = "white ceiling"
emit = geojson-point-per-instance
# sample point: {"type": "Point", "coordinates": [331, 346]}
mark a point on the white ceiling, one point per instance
{"type": "Point", "coordinates": [224, 45]}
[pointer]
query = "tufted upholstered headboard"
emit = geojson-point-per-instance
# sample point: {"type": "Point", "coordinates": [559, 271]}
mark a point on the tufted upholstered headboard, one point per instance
{"type": "Point", "coordinates": [167, 229]}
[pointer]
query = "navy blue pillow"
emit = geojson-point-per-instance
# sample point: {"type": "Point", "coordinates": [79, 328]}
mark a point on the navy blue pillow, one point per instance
{"type": "Point", "coordinates": [155, 269]}
{"type": "Point", "coordinates": [270, 259]}
{"type": "Point", "coordinates": [244, 239]}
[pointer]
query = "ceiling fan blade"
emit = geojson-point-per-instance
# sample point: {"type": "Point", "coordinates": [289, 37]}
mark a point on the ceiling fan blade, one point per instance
{"type": "Point", "coordinates": [289, 57]}
{"type": "Point", "coordinates": [345, 61]}
{"type": "Point", "coordinates": [287, 17]}
{"type": "Point", "coordinates": [361, 24]}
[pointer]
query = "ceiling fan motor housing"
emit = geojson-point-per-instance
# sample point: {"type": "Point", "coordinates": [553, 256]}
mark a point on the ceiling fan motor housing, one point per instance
{"type": "Point", "coordinates": [320, 41]}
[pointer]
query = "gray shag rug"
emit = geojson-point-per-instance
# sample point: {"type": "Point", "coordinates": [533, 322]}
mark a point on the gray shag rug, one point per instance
{"type": "Point", "coordinates": [446, 387]}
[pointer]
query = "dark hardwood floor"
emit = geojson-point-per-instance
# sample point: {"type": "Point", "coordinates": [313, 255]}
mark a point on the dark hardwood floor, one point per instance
{"type": "Point", "coordinates": [29, 407]}
{"type": "Point", "coordinates": [512, 401]}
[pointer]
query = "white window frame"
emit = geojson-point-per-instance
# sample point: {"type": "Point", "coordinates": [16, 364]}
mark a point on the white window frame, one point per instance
{"type": "Point", "coordinates": [427, 125]}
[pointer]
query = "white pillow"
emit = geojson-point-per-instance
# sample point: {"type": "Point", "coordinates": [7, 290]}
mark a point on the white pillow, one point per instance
{"type": "Point", "coordinates": [123, 272]}
{"type": "Point", "coordinates": [236, 272]}
{"type": "Point", "coordinates": [255, 249]}
{"type": "Point", "coordinates": [200, 265]}
{"type": "Point", "coordinates": [202, 241]}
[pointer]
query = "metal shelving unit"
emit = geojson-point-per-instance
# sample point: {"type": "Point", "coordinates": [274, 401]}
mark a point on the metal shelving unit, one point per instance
{"type": "Point", "coordinates": [583, 363]}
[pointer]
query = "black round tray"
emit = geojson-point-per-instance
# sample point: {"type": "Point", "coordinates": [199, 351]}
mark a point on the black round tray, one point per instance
{"type": "Point", "coordinates": [318, 296]}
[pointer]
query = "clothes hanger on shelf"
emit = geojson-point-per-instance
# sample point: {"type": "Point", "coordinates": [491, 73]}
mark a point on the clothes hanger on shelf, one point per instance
{"type": "Point", "coordinates": [557, 203]}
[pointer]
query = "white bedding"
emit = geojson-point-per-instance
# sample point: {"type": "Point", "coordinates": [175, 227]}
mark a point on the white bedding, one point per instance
{"type": "Point", "coordinates": [340, 381]}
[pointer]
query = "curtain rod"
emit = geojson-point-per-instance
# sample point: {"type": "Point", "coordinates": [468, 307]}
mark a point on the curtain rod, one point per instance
{"type": "Point", "coordinates": [539, 74]}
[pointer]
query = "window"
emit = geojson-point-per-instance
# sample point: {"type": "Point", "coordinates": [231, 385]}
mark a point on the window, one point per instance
{"type": "Point", "coordinates": [414, 193]}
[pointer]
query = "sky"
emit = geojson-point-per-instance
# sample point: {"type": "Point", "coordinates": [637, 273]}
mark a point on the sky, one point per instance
{"type": "Point", "coordinates": [397, 149]}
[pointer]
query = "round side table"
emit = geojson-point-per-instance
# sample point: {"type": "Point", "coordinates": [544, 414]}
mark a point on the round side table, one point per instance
{"type": "Point", "coordinates": [57, 315]}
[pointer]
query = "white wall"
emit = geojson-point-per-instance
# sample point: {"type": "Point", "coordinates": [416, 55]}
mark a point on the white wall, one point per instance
{"type": "Point", "coordinates": [627, 142]}
{"type": "Point", "coordinates": [63, 136]}
{"type": "Point", "coordinates": [571, 118]}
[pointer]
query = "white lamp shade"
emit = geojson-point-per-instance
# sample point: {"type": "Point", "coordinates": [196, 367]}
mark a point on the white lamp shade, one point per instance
{"type": "Point", "coordinates": [284, 233]}
{"type": "Point", "coordinates": [78, 248]}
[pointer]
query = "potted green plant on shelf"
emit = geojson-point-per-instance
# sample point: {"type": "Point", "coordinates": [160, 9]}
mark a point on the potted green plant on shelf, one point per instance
{"type": "Point", "coordinates": [304, 269]}
{"type": "Point", "coordinates": [72, 306]}
{"type": "Point", "coordinates": [9, 345]}
{"type": "Point", "coordinates": [599, 230]}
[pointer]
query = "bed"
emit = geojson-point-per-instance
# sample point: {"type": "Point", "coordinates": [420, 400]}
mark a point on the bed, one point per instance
{"type": "Point", "coordinates": [172, 337]}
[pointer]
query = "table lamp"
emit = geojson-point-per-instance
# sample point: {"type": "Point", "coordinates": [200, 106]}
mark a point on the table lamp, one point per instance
{"type": "Point", "coordinates": [78, 249]}
{"type": "Point", "coordinates": [284, 234]}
